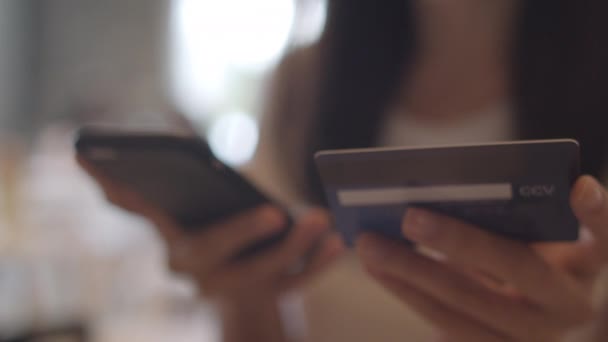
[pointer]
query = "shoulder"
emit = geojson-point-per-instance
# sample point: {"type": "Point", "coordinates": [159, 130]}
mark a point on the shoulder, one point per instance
{"type": "Point", "coordinates": [291, 92]}
{"type": "Point", "coordinates": [299, 67]}
{"type": "Point", "coordinates": [301, 58]}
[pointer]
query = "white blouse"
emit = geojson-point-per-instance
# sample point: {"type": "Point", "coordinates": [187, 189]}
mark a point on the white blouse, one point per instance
{"type": "Point", "coordinates": [492, 124]}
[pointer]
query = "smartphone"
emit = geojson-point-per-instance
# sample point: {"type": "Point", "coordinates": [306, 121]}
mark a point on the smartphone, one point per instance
{"type": "Point", "coordinates": [519, 190]}
{"type": "Point", "coordinates": [176, 173]}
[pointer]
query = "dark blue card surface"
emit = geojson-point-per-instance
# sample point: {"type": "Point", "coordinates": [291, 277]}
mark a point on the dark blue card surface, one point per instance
{"type": "Point", "coordinates": [520, 189]}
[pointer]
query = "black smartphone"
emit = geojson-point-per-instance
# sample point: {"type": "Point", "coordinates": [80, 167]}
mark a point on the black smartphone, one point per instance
{"type": "Point", "coordinates": [176, 173]}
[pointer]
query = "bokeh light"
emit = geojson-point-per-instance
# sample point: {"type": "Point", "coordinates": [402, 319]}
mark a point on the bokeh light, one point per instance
{"type": "Point", "coordinates": [233, 138]}
{"type": "Point", "coordinates": [212, 40]}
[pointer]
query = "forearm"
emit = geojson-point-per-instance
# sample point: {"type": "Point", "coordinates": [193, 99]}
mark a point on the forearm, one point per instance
{"type": "Point", "coordinates": [252, 320]}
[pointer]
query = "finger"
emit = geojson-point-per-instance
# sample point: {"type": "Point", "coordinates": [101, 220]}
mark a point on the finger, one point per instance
{"type": "Point", "coordinates": [84, 164]}
{"type": "Point", "coordinates": [332, 247]}
{"type": "Point", "coordinates": [123, 197]}
{"type": "Point", "coordinates": [270, 266]}
{"type": "Point", "coordinates": [511, 261]}
{"type": "Point", "coordinates": [455, 290]}
{"type": "Point", "coordinates": [115, 193]}
{"type": "Point", "coordinates": [579, 259]}
{"type": "Point", "coordinates": [106, 184]}
{"type": "Point", "coordinates": [215, 245]}
{"type": "Point", "coordinates": [589, 203]}
{"type": "Point", "coordinates": [450, 323]}
{"type": "Point", "coordinates": [307, 232]}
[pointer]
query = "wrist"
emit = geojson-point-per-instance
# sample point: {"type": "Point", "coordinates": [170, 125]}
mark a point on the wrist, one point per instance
{"type": "Point", "coordinates": [251, 318]}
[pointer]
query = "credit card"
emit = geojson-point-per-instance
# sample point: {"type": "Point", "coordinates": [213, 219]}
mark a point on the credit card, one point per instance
{"type": "Point", "coordinates": [519, 190]}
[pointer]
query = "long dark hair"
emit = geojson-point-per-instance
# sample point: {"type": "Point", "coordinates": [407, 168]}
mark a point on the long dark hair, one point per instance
{"type": "Point", "coordinates": [560, 77]}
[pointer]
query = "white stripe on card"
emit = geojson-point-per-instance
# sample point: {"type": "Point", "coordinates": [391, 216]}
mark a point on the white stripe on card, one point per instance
{"type": "Point", "coordinates": [426, 194]}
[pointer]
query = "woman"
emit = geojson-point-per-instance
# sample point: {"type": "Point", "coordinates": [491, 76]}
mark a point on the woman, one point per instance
{"type": "Point", "coordinates": [408, 72]}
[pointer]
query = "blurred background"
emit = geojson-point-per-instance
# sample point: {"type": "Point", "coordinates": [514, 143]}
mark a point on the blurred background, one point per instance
{"type": "Point", "coordinates": [73, 268]}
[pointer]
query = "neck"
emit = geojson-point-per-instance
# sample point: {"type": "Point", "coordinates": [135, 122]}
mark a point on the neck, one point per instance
{"type": "Point", "coordinates": [463, 56]}
{"type": "Point", "coordinates": [464, 28]}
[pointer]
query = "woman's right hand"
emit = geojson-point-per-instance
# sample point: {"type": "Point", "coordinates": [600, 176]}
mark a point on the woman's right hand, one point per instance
{"type": "Point", "coordinates": [207, 255]}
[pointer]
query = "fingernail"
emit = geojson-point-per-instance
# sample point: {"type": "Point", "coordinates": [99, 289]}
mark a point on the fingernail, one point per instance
{"type": "Point", "coordinates": [591, 197]}
{"type": "Point", "coordinates": [271, 220]}
{"type": "Point", "coordinates": [586, 236]}
{"type": "Point", "coordinates": [332, 247]}
{"type": "Point", "coordinates": [314, 223]}
{"type": "Point", "coordinates": [420, 225]}
{"type": "Point", "coordinates": [336, 247]}
{"type": "Point", "coordinates": [373, 250]}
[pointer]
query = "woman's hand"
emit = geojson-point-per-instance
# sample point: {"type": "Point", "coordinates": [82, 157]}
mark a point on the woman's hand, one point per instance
{"type": "Point", "coordinates": [487, 288]}
{"type": "Point", "coordinates": [245, 289]}
{"type": "Point", "coordinates": [207, 255]}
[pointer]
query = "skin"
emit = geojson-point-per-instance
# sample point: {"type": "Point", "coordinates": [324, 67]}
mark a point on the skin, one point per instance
{"type": "Point", "coordinates": [462, 62]}
{"type": "Point", "coordinates": [484, 288]}
{"type": "Point", "coordinates": [247, 291]}
{"type": "Point", "coordinates": [487, 288]}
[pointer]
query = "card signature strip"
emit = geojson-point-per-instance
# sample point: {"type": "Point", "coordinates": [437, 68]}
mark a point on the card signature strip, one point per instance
{"type": "Point", "coordinates": [426, 194]}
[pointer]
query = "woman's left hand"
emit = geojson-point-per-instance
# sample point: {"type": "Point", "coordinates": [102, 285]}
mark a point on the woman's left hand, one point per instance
{"type": "Point", "coordinates": [487, 288]}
